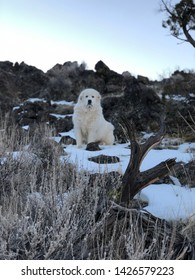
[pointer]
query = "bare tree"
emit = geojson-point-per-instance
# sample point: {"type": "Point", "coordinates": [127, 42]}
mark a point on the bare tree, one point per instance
{"type": "Point", "coordinates": [180, 19]}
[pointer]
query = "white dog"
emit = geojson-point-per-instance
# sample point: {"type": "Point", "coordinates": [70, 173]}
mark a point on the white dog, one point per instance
{"type": "Point", "coordinates": [89, 122]}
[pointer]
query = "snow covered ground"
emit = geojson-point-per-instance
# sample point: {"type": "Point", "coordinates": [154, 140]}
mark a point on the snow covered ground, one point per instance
{"type": "Point", "coordinates": [168, 201]}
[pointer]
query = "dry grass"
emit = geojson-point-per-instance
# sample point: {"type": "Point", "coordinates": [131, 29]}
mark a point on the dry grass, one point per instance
{"type": "Point", "coordinates": [49, 210]}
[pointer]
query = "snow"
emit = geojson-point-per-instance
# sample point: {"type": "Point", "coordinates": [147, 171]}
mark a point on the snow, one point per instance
{"type": "Point", "coordinates": [26, 127]}
{"type": "Point", "coordinates": [35, 100]}
{"type": "Point", "coordinates": [176, 98]}
{"type": "Point", "coordinates": [167, 201]}
{"type": "Point", "coordinates": [59, 116]}
{"type": "Point", "coordinates": [16, 108]}
{"type": "Point", "coordinates": [80, 158]}
{"type": "Point", "coordinates": [30, 100]}
{"type": "Point", "coordinates": [154, 157]}
{"type": "Point", "coordinates": [42, 100]}
{"type": "Point", "coordinates": [62, 102]}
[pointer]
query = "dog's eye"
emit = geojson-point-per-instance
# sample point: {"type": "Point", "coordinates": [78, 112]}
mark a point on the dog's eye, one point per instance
{"type": "Point", "coordinates": [92, 96]}
{"type": "Point", "coordinates": [86, 96]}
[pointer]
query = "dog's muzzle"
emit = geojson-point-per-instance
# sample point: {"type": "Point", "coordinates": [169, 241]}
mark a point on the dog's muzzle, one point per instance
{"type": "Point", "coordinates": [89, 104]}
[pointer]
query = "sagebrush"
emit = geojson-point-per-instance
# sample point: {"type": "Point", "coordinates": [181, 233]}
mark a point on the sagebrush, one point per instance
{"type": "Point", "coordinates": [51, 210]}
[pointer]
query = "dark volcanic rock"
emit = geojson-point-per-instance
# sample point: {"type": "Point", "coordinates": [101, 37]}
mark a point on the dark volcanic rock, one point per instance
{"type": "Point", "coordinates": [32, 112]}
{"type": "Point", "coordinates": [61, 124]}
{"type": "Point", "coordinates": [135, 98]}
{"type": "Point", "coordinates": [19, 82]}
{"type": "Point", "coordinates": [93, 146]}
{"type": "Point", "coordinates": [137, 102]}
{"type": "Point", "coordinates": [113, 81]}
{"type": "Point", "coordinates": [102, 68]}
{"type": "Point", "coordinates": [67, 140]}
{"type": "Point", "coordinates": [104, 159]}
{"type": "Point", "coordinates": [67, 80]}
{"type": "Point", "coordinates": [185, 172]}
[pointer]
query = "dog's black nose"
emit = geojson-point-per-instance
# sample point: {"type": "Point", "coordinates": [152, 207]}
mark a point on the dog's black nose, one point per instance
{"type": "Point", "coordinates": [89, 102]}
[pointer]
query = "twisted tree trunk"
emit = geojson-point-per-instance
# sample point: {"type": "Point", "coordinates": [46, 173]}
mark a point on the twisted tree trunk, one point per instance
{"type": "Point", "coordinates": [133, 180]}
{"type": "Point", "coordinates": [122, 226]}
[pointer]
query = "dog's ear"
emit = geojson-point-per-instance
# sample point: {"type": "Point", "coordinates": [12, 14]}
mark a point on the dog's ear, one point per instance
{"type": "Point", "coordinates": [99, 97]}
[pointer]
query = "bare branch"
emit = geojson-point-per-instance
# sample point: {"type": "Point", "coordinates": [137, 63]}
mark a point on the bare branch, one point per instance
{"type": "Point", "coordinates": [187, 122]}
{"type": "Point", "coordinates": [180, 19]}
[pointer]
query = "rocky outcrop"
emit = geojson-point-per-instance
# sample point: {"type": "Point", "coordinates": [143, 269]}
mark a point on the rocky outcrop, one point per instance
{"type": "Point", "coordinates": [19, 82]}
{"type": "Point", "coordinates": [138, 98]}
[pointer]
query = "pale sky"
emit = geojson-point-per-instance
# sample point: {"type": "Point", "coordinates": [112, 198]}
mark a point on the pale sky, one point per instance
{"type": "Point", "coordinates": [126, 34]}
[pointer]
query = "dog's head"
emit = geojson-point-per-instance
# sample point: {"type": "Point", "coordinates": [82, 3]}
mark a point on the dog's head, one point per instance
{"type": "Point", "coordinates": [89, 98]}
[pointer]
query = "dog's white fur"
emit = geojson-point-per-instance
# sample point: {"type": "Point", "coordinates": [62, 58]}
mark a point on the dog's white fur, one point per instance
{"type": "Point", "coordinates": [89, 122]}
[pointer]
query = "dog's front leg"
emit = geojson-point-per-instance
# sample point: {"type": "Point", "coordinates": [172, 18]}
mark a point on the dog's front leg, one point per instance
{"type": "Point", "coordinates": [91, 137]}
{"type": "Point", "coordinates": [79, 138]}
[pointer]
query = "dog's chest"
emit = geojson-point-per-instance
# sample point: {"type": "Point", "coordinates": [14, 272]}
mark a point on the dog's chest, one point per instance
{"type": "Point", "coordinates": [88, 121]}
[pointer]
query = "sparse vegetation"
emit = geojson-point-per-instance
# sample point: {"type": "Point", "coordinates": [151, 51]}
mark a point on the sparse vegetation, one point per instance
{"type": "Point", "coordinates": [50, 210]}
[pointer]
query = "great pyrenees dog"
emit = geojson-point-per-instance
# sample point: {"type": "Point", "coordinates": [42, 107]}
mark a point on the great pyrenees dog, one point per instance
{"type": "Point", "coordinates": [89, 123]}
